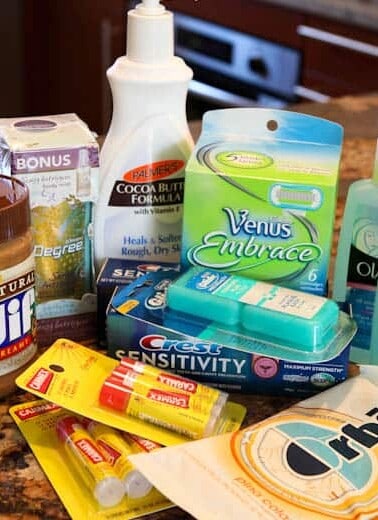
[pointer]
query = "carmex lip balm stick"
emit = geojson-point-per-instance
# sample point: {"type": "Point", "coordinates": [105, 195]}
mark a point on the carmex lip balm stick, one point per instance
{"type": "Point", "coordinates": [140, 381]}
{"type": "Point", "coordinates": [116, 450]}
{"type": "Point", "coordinates": [287, 316]}
{"type": "Point", "coordinates": [175, 381]}
{"type": "Point", "coordinates": [89, 462]}
{"type": "Point", "coordinates": [140, 444]}
{"type": "Point", "coordinates": [186, 414]}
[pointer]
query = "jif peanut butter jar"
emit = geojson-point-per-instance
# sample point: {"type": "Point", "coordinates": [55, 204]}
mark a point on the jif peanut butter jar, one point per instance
{"type": "Point", "coordinates": [17, 301]}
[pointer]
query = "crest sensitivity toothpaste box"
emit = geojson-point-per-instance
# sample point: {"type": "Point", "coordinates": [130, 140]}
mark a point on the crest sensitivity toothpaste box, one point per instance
{"type": "Point", "coordinates": [267, 180]}
{"type": "Point", "coordinates": [140, 326]}
{"type": "Point", "coordinates": [57, 158]}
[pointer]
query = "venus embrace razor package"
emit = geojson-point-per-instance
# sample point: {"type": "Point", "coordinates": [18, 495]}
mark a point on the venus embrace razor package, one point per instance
{"type": "Point", "coordinates": [214, 336]}
{"type": "Point", "coordinates": [57, 158]}
{"type": "Point", "coordinates": [267, 182]}
{"type": "Point", "coordinates": [80, 455]}
{"type": "Point", "coordinates": [317, 460]}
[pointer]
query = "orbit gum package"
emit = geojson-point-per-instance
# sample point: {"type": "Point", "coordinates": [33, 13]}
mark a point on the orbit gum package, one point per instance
{"type": "Point", "coordinates": [74, 459]}
{"type": "Point", "coordinates": [87, 383]}
{"type": "Point", "coordinates": [316, 460]}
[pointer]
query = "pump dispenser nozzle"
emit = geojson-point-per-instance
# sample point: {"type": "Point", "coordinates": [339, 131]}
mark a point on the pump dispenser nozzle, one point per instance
{"type": "Point", "coordinates": [150, 37]}
{"type": "Point", "coordinates": [150, 7]}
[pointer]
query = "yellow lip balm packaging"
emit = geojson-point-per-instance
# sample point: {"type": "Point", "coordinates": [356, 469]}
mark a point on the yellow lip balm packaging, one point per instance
{"type": "Point", "coordinates": [85, 382]}
{"type": "Point", "coordinates": [74, 462]}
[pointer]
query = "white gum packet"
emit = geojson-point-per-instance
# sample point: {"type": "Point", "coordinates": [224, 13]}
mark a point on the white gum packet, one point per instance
{"type": "Point", "coordinates": [316, 460]}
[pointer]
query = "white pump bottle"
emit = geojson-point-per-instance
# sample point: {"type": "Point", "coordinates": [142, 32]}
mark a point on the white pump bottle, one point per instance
{"type": "Point", "coordinates": [139, 211]}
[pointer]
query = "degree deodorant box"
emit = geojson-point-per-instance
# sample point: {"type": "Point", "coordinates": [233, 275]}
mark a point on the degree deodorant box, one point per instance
{"type": "Point", "coordinates": [57, 158]}
{"type": "Point", "coordinates": [260, 195]}
{"type": "Point", "coordinates": [140, 326]}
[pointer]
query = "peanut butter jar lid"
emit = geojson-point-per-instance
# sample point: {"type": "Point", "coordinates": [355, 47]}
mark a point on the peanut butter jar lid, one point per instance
{"type": "Point", "coordinates": [14, 208]}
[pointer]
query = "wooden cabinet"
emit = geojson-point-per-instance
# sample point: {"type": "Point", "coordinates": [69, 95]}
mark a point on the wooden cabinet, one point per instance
{"type": "Point", "coordinates": [338, 59]}
{"type": "Point", "coordinates": [265, 21]}
{"type": "Point", "coordinates": [335, 59]}
{"type": "Point", "coordinates": [69, 44]}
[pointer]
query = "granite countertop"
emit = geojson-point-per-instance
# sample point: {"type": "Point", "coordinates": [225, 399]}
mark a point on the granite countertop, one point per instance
{"type": "Point", "coordinates": [361, 13]}
{"type": "Point", "coordinates": [25, 493]}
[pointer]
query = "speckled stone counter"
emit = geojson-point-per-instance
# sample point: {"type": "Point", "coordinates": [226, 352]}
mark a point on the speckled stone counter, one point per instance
{"type": "Point", "coordinates": [361, 13]}
{"type": "Point", "coordinates": [25, 493]}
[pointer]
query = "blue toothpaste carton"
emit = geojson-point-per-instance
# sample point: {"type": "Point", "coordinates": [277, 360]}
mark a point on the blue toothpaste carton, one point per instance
{"type": "Point", "coordinates": [141, 326]}
{"type": "Point", "coordinates": [118, 272]}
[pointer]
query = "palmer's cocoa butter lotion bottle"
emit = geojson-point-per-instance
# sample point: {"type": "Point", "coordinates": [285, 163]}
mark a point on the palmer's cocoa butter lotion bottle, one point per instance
{"type": "Point", "coordinates": [142, 163]}
{"type": "Point", "coordinates": [17, 302]}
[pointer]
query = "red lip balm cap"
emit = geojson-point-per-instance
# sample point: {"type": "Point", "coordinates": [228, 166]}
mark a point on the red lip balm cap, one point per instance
{"type": "Point", "coordinates": [114, 394]}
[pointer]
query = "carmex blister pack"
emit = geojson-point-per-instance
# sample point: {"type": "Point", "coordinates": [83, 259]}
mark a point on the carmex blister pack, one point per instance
{"type": "Point", "coordinates": [78, 454]}
{"type": "Point", "coordinates": [87, 383]}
